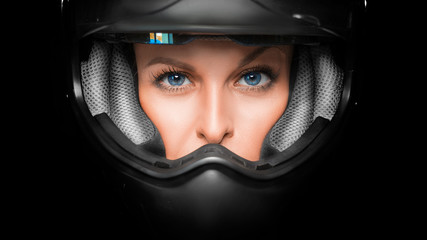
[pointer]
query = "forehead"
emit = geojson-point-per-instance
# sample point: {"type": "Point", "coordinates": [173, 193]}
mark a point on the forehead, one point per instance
{"type": "Point", "coordinates": [210, 49]}
{"type": "Point", "coordinates": [193, 48]}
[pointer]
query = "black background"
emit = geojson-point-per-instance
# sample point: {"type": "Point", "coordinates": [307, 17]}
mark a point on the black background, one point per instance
{"type": "Point", "coordinates": [53, 191]}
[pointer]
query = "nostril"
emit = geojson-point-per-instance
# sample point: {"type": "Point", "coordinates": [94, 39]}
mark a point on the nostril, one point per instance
{"type": "Point", "coordinates": [216, 137]}
{"type": "Point", "coordinates": [227, 135]}
{"type": "Point", "coordinates": [200, 135]}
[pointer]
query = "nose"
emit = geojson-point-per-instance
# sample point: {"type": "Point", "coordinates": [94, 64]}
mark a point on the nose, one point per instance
{"type": "Point", "coordinates": [215, 121]}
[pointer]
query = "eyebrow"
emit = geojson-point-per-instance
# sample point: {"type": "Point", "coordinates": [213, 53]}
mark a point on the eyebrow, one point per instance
{"type": "Point", "coordinates": [170, 61]}
{"type": "Point", "coordinates": [252, 56]}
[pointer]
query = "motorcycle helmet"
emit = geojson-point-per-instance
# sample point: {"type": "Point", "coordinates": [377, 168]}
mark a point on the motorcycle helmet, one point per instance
{"type": "Point", "coordinates": [211, 189]}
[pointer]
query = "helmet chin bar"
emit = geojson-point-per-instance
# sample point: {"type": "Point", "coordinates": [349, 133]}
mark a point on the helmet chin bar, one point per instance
{"type": "Point", "coordinates": [149, 158]}
{"type": "Point", "coordinates": [211, 199]}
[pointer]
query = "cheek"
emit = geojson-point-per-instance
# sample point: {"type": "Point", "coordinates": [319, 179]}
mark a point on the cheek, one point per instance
{"type": "Point", "coordinates": [173, 117]}
{"type": "Point", "coordinates": [256, 117]}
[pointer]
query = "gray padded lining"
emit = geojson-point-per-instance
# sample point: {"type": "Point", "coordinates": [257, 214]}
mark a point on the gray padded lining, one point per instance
{"type": "Point", "coordinates": [317, 92]}
{"type": "Point", "coordinates": [109, 87]}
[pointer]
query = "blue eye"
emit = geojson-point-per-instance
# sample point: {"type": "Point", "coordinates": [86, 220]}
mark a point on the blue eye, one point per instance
{"type": "Point", "coordinates": [176, 79]}
{"type": "Point", "coordinates": [253, 79]}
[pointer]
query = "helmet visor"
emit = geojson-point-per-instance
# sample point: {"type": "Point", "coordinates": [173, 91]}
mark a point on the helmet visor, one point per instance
{"type": "Point", "coordinates": [165, 38]}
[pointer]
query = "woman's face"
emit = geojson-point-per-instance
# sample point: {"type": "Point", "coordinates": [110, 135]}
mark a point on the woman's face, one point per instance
{"type": "Point", "coordinates": [211, 91]}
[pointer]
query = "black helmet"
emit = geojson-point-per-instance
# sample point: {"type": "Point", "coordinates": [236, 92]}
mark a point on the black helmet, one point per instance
{"type": "Point", "coordinates": [212, 187]}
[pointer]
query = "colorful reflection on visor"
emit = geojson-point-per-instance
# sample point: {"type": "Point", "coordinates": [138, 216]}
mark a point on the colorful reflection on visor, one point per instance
{"type": "Point", "coordinates": [161, 38]}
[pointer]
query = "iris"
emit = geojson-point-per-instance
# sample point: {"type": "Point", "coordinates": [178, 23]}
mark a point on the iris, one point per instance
{"type": "Point", "coordinates": [176, 79]}
{"type": "Point", "coordinates": [252, 78]}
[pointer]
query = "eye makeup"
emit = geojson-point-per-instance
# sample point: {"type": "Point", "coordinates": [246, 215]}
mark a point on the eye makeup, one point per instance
{"type": "Point", "coordinates": [268, 77]}
{"type": "Point", "coordinates": [165, 80]}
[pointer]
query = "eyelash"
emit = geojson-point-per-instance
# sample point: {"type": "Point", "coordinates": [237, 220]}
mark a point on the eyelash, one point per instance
{"type": "Point", "coordinates": [264, 69]}
{"type": "Point", "coordinates": [267, 70]}
{"type": "Point", "coordinates": [166, 72]}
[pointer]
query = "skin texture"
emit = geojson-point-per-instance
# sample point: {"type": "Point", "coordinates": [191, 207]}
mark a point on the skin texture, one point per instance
{"type": "Point", "coordinates": [213, 104]}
